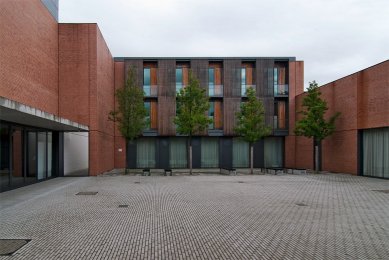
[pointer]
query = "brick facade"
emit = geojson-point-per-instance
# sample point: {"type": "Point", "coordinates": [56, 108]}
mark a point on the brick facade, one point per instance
{"type": "Point", "coordinates": [29, 54]}
{"type": "Point", "coordinates": [363, 100]}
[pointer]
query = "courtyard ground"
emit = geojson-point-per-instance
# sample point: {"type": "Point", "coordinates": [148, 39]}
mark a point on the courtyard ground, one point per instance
{"type": "Point", "coordinates": [323, 216]}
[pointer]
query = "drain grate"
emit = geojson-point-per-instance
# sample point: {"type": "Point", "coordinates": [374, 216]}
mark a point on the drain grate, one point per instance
{"type": "Point", "coordinates": [384, 191]}
{"type": "Point", "coordinates": [137, 182]}
{"type": "Point", "coordinates": [87, 193]}
{"type": "Point", "coordinates": [123, 206]}
{"type": "Point", "coordinates": [301, 204]}
{"type": "Point", "coordinates": [10, 246]}
{"type": "Point", "coordinates": [240, 181]}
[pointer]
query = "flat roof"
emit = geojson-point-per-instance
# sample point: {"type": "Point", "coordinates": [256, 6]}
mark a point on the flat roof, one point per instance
{"type": "Point", "coordinates": [204, 58]}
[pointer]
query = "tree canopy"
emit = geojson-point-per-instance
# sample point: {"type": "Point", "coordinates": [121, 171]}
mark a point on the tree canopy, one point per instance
{"type": "Point", "coordinates": [313, 124]}
{"type": "Point", "coordinates": [192, 105]}
{"type": "Point", "coordinates": [131, 112]}
{"type": "Point", "coordinates": [251, 119]}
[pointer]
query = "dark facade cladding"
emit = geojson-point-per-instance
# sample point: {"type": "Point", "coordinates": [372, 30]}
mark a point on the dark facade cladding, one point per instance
{"type": "Point", "coordinates": [225, 81]}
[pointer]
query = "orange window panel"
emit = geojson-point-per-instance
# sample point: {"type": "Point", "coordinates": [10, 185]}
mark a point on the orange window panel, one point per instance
{"type": "Point", "coordinates": [281, 115]}
{"type": "Point", "coordinates": [218, 76]}
{"type": "Point", "coordinates": [218, 116]}
{"type": "Point", "coordinates": [249, 75]}
{"type": "Point", "coordinates": [153, 76]}
{"type": "Point", "coordinates": [153, 115]}
{"type": "Point", "coordinates": [185, 76]}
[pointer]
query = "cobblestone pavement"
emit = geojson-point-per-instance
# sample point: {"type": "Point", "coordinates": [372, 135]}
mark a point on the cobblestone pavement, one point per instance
{"type": "Point", "coordinates": [324, 216]}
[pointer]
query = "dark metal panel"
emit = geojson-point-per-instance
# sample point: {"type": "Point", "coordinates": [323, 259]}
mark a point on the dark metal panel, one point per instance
{"type": "Point", "coordinates": [225, 152]}
{"type": "Point", "coordinates": [131, 155]}
{"type": "Point", "coordinates": [196, 152]}
{"type": "Point", "coordinates": [232, 82]}
{"type": "Point", "coordinates": [259, 148]}
{"type": "Point", "coordinates": [166, 78]}
{"type": "Point", "coordinates": [199, 69]}
{"type": "Point", "coordinates": [163, 154]}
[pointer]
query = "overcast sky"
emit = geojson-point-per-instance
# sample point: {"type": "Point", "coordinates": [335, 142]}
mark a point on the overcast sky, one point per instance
{"type": "Point", "coordinates": [333, 37]}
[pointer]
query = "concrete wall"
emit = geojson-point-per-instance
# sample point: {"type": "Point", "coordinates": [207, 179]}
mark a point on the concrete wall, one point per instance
{"type": "Point", "coordinates": [363, 100]}
{"type": "Point", "coordinates": [76, 153]}
{"type": "Point", "coordinates": [29, 54]}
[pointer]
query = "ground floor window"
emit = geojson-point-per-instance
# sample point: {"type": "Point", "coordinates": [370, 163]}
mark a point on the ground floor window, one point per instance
{"type": "Point", "coordinates": [26, 155]}
{"type": "Point", "coordinates": [178, 153]}
{"type": "Point", "coordinates": [274, 152]}
{"type": "Point", "coordinates": [376, 152]}
{"type": "Point", "coordinates": [209, 152]}
{"type": "Point", "coordinates": [145, 151]}
{"type": "Point", "coordinates": [240, 153]}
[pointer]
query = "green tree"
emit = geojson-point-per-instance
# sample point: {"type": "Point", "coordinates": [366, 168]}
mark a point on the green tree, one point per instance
{"type": "Point", "coordinates": [313, 124]}
{"type": "Point", "coordinates": [192, 105]}
{"type": "Point", "coordinates": [131, 112]}
{"type": "Point", "coordinates": [251, 122]}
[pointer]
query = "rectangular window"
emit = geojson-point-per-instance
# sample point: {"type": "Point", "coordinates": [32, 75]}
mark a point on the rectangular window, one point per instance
{"type": "Point", "coordinates": [243, 81]}
{"type": "Point", "coordinates": [179, 79]}
{"type": "Point", "coordinates": [215, 113]}
{"type": "Point", "coordinates": [274, 156]}
{"type": "Point", "coordinates": [375, 143]}
{"type": "Point", "coordinates": [151, 116]}
{"type": "Point", "coordinates": [211, 81]}
{"type": "Point", "coordinates": [145, 153]}
{"type": "Point", "coordinates": [146, 82]}
{"type": "Point", "coordinates": [240, 153]}
{"type": "Point", "coordinates": [209, 152]}
{"type": "Point", "coordinates": [178, 153]}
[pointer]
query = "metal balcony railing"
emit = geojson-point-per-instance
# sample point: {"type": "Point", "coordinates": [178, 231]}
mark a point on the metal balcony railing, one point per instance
{"type": "Point", "coordinates": [150, 90]}
{"type": "Point", "coordinates": [179, 86]}
{"type": "Point", "coordinates": [215, 90]}
{"type": "Point", "coordinates": [281, 90]}
{"type": "Point", "coordinates": [244, 89]}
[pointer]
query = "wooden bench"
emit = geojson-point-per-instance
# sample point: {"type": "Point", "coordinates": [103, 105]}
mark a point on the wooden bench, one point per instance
{"type": "Point", "coordinates": [228, 171]}
{"type": "Point", "coordinates": [146, 172]}
{"type": "Point", "coordinates": [168, 172]}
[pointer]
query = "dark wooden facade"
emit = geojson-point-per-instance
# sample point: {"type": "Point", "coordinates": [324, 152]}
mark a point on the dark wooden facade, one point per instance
{"type": "Point", "coordinates": [259, 72]}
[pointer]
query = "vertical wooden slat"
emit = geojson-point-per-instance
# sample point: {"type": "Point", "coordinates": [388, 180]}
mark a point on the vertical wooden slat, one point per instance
{"type": "Point", "coordinates": [199, 69]}
{"type": "Point", "coordinates": [232, 77]}
{"type": "Point", "coordinates": [166, 78]}
{"type": "Point", "coordinates": [166, 114]}
{"type": "Point", "coordinates": [231, 106]}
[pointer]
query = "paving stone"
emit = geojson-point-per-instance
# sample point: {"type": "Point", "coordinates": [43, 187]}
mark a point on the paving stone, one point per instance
{"type": "Point", "coordinates": [200, 217]}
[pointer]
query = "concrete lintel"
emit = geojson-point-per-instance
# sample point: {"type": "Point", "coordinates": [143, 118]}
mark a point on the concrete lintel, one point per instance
{"type": "Point", "coordinates": [23, 114]}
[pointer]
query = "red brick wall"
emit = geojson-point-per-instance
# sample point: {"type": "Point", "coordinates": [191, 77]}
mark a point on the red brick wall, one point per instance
{"type": "Point", "coordinates": [373, 96]}
{"type": "Point", "coordinates": [120, 143]}
{"type": "Point", "coordinates": [101, 103]}
{"type": "Point", "coordinates": [86, 86]}
{"type": "Point", "coordinates": [363, 100]}
{"type": "Point", "coordinates": [74, 62]}
{"type": "Point", "coordinates": [29, 54]}
{"type": "Point", "coordinates": [296, 87]}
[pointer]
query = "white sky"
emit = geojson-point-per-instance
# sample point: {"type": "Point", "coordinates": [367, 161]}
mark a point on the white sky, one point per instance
{"type": "Point", "coordinates": [334, 37]}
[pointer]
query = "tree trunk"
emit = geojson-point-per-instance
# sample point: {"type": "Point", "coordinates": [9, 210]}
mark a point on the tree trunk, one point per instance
{"type": "Point", "coordinates": [251, 159]}
{"type": "Point", "coordinates": [317, 155]}
{"type": "Point", "coordinates": [190, 155]}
